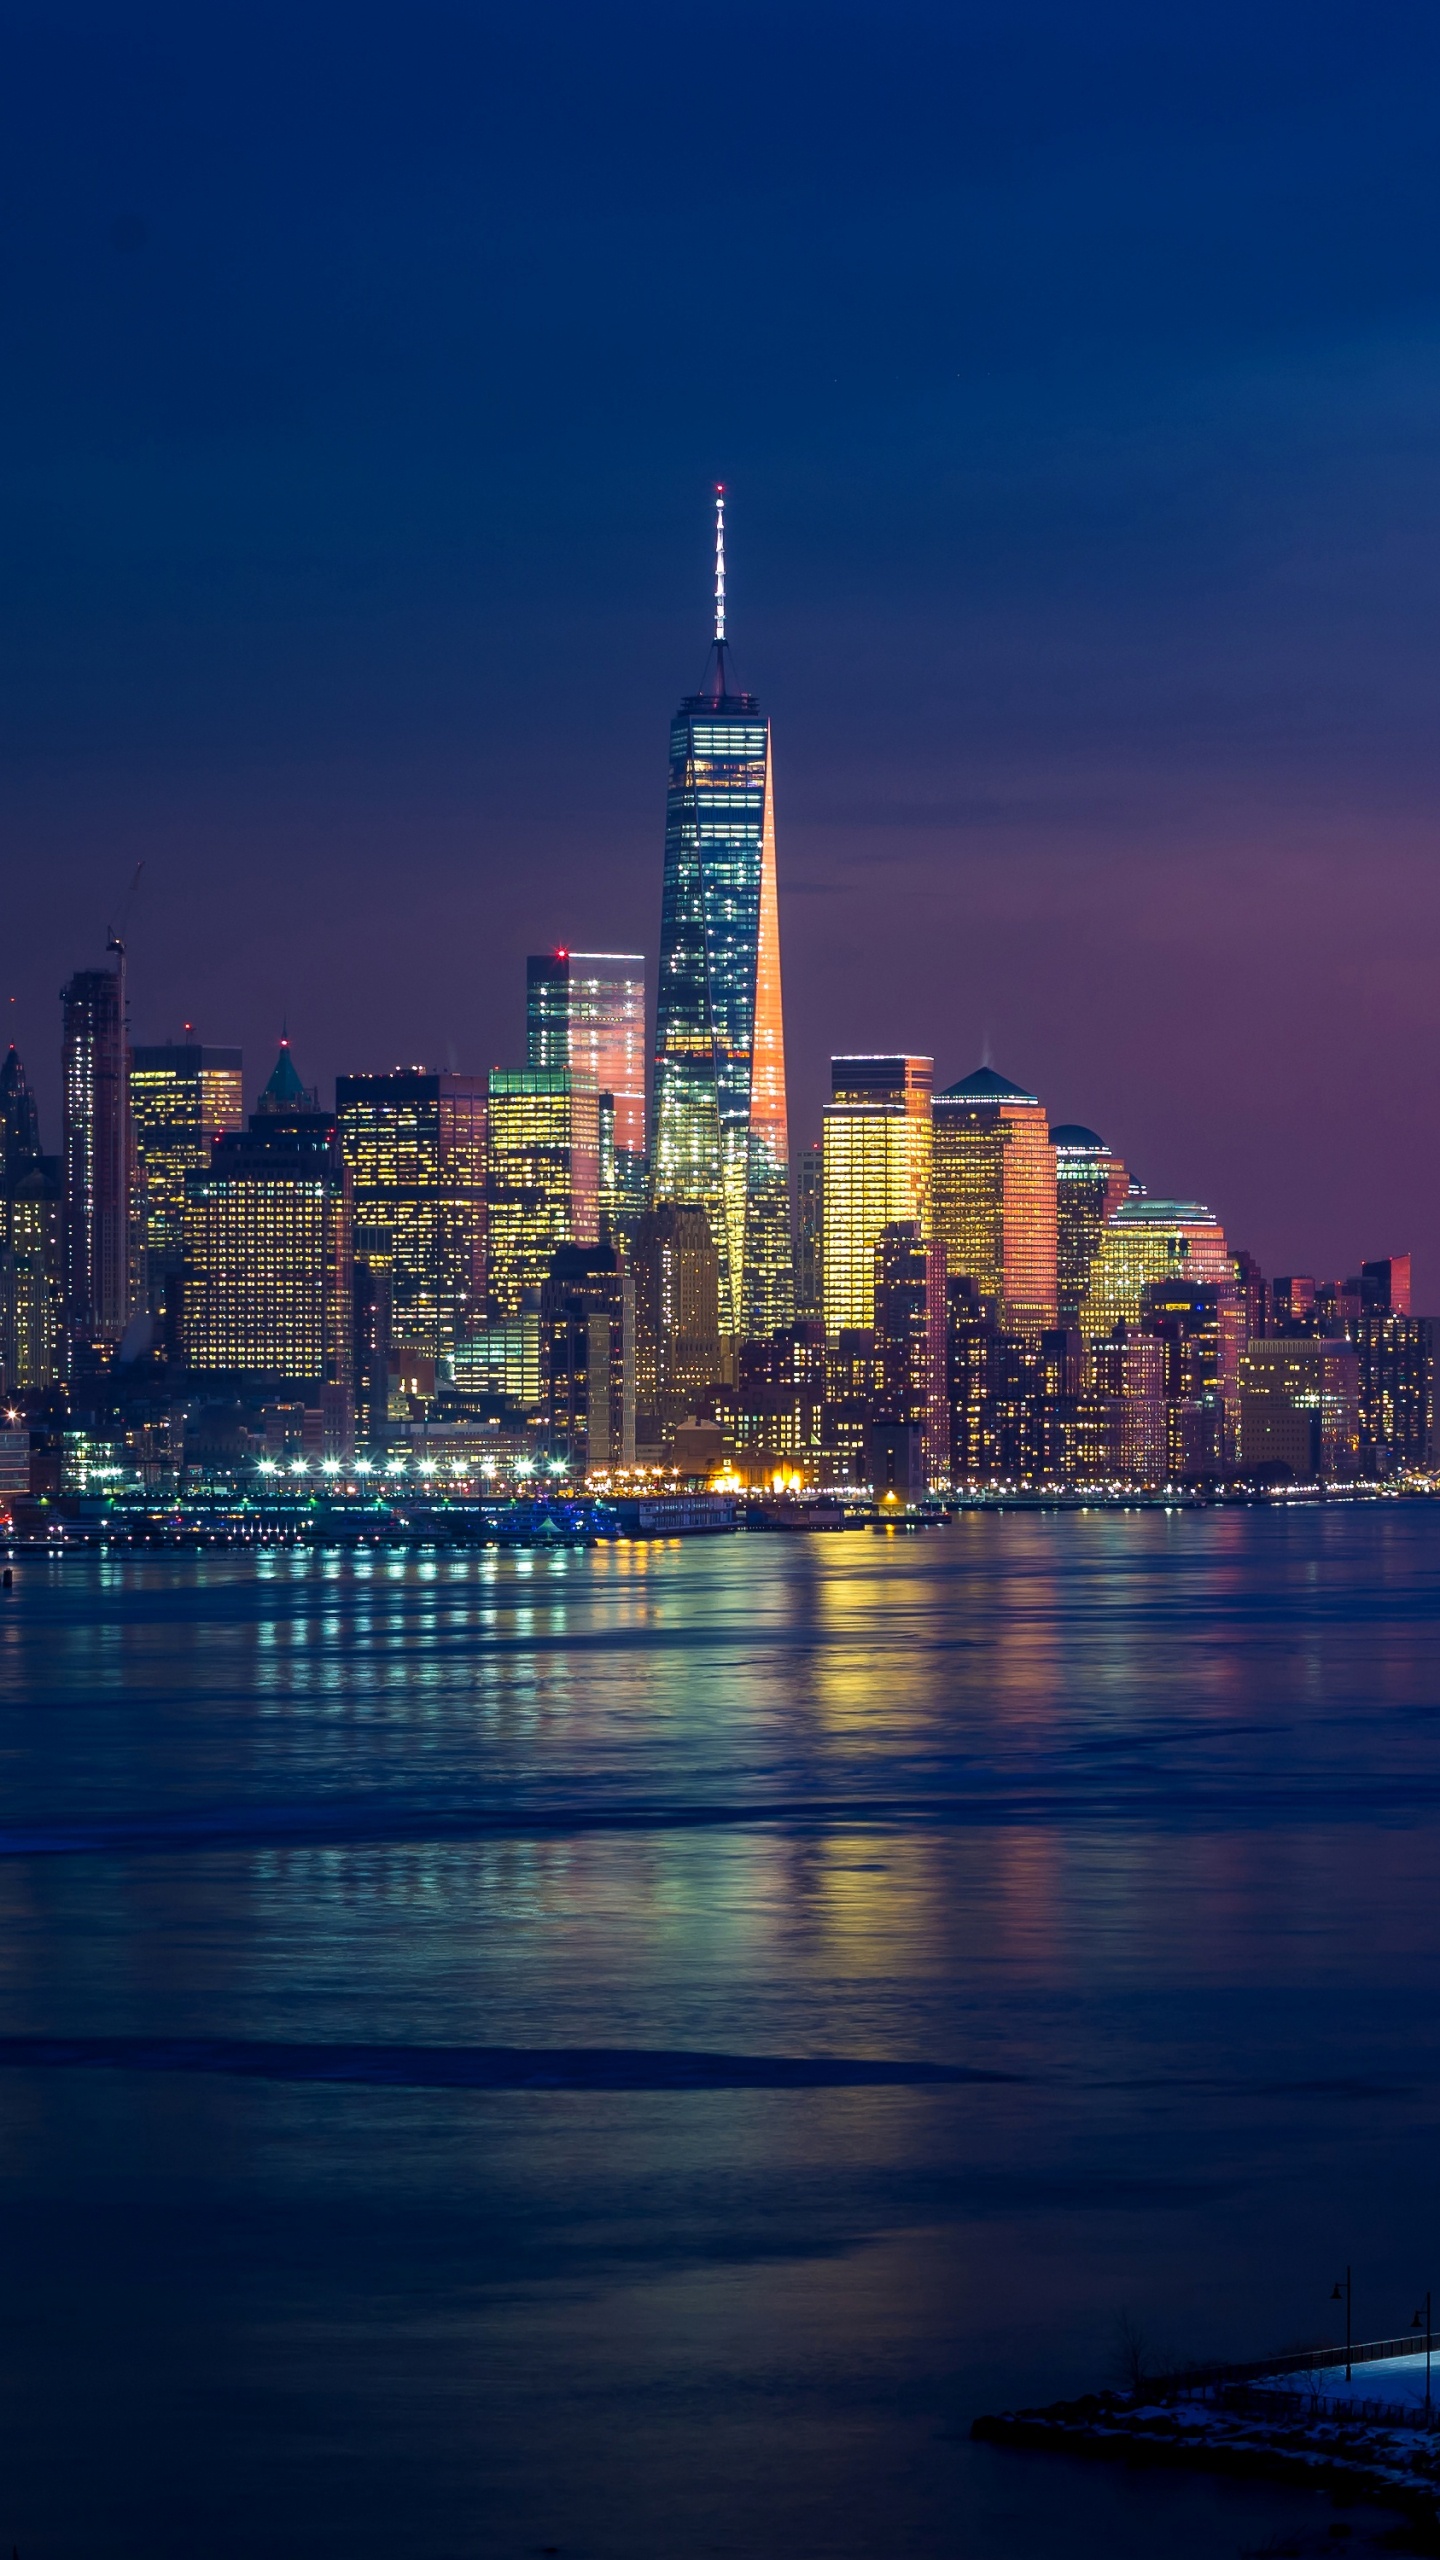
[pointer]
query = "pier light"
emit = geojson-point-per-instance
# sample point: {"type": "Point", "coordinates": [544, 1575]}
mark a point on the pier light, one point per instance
{"type": "Point", "coordinates": [487, 1466]}
{"type": "Point", "coordinates": [427, 1467]}
{"type": "Point", "coordinates": [269, 1467]}
{"type": "Point", "coordinates": [297, 1467]}
{"type": "Point", "coordinates": [364, 1466]}
{"type": "Point", "coordinates": [396, 1467]}
{"type": "Point", "coordinates": [329, 1466]}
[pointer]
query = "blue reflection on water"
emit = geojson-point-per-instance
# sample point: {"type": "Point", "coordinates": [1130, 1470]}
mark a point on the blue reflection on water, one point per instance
{"type": "Point", "coordinates": [1126, 1823]}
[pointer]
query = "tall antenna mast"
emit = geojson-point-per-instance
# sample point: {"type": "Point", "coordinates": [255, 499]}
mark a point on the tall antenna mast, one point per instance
{"type": "Point", "coordinates": [720, 561]}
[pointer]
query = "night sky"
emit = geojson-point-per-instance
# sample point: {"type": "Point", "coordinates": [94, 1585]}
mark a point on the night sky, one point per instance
{"type": "Point", "coordinates": [1076, 376]}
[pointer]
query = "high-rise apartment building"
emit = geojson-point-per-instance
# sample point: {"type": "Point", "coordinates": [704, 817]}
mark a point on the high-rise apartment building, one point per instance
{"type": "Point", "coordinates": [1149, 1240]}
{"type": "Point", "coordinates": [994, 1196]}
{"type": "Point", "coordinates": [875, 1173]}
{"type": "Point", "coordinates": [414, 1143]}
{"type": "Point", "coordinates": [543, 1182]}
{"type": "Point", "coordinates": [719, 1131]}
{"type": "Point", "coordinates": [97, 1243]}
{"type": "Point", "coordinates": [678, 1353]}
{"type": "Point", "coordinates": [909, 1330]}
{"type": "Point", "coordinates": [267, 1268]}
{"type": "Point", "coordinates": [183, 1096]}
{"type": "Point", "coordinates": [1090, 1184]}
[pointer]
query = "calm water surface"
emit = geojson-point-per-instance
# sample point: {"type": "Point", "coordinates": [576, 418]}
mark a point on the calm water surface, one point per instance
{"type": "Point", "coordinates": [1128, 1825]}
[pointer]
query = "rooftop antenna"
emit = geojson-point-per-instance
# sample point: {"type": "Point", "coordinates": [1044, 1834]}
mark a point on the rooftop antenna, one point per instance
{"type": "Point", "coordinates": [114, 932]}
{"type": "Point", "coordinates": [720, 561]}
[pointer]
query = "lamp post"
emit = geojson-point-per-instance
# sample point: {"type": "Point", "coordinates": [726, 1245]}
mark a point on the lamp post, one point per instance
{"type": "Point", "coordinates": [1417, 2323]}
{"type": "Point", "coordinates": [1335, 2297]}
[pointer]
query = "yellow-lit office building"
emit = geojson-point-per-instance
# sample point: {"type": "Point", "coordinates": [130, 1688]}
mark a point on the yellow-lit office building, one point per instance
{"type": "Point", "coordinates": [414, 1146]}
{"type": "Point", "coordinates": [183, 1096]}
{"type": "Point", "coordinates": [267, 1270]}
{"type": "Point", "coordinates": [543, 1189]}
{"type": "Point", "coordinates": [994, 1195]}
{"type": "Point", "coordinates": [1090, 1184]}
{"type": "Point", "coordinates": [875, 1172]}
{"type": "Point", "coordinates": [1149, 1240]}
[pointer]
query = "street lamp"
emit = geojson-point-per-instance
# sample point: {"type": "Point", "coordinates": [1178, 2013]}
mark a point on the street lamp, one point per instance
{"type": "Point", "coordinates": [1335, 2297]}
{"type": "Point", "coordinates": [1417, 2323]}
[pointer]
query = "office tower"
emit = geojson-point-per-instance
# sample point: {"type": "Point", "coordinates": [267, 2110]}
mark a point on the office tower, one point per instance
{"type": "Point", "coordinates": [810, 1233]}
{"type": "Point", "coordinates": [971, 1339]}
{"type": "Point", "coordinates": [499, 1365]}
{"type": "Point", "coordinates": [1385, 1286]}
{"type": "Point", "coordinates": [1149, 1240]}
{"type": "Point", "coordinates": [587, 1335]}
{"type": "Point", "coordinates": [719, 1138]}
{"type": "Point", "coordinates": [994, 1196]}
{"type": "Point", "coordinates": [97, 1248]}
{"type": "Point", "coordinates": [585, 1010]}
{"type": "Point", "coordinates": [1254, 1291]}
{"type": "Point", "coordinates": [543, 1183]}
{"type": "Point", "coordinates": [1293, 1304]}
{"type": "Point", "coordinates": [909, 1331]}
{"type": "Point", "coordinates": [875, 1172]}
{"type": "Point", "coordinates": [267, 1271]}
{"type": "Point", "coordinates": [414, 1143]}
{"type": "Point", "coordinates": [1396, 1355]}
{"type": "Point", "coordinates": [1090, 1184]}
{"type": "Point", "coordinates": [283, 1092]}
{"type": "Point", "coordinates": [1300, 1410]}
{"type": "Point", "coordinates": [183, 1096]}
{"type": "Point", "coordinates": [29, 1240]}
{"type": "Point", "coordinates": [678, 1354]}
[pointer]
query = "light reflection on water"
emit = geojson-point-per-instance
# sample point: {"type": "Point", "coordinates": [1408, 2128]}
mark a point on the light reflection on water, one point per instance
{"type": "Point", "coordinates": [1137, 1811]}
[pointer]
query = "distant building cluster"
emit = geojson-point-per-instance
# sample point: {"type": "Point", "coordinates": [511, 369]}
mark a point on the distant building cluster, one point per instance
{"type": "Point", "coordinates": [603, 1261]}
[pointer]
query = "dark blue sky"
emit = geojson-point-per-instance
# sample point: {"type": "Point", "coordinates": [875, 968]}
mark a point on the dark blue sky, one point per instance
{"type": "Point", "coordinates": [1076, 374]}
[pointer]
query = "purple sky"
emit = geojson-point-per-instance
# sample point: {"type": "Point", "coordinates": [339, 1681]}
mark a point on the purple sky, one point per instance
{"type": "Point", "coordinates": [1077, 381]}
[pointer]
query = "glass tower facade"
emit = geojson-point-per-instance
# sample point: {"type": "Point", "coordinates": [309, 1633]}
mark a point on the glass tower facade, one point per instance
{"type": "Point", "coordinates": [719, 1118]}
{"type": "Point", "coordinates": [1090, 1185]}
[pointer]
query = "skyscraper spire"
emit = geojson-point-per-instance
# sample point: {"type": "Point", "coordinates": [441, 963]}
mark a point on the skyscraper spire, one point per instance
{"type": "Point", "coordinates": [720, 1140]}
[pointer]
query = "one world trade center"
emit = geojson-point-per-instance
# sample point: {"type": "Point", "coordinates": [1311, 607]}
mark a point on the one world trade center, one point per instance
{"type": "Point", "coordinates": [719, 1129]}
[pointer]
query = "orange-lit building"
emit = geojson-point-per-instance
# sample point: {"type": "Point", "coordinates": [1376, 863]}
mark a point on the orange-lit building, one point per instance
{"type": "Point", "coordinates": [994, 1197]}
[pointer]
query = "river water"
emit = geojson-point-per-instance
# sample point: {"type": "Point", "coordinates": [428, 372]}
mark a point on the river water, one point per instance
{"type": "Point", "coordinates": [614, 1878]}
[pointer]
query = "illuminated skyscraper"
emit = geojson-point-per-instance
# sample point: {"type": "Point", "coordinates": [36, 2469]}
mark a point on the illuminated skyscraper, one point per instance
{"type": "Point", "coordinates": [994, 1197]}
{"type": "Point", "coordinates": [182, 1098]}
{"type": "Point", "coordinates": [1149, 1240]}
{"type": "Point", "coordinates": [543, 1157]}
{"type": "Point", "coordinates": [876, 1171]}
{"type": "Point", "coordinates": [677, 1319]}
{"type": "Point", "coordinates": [719, 1125]}
{"type": "Point", "coordinates": [267, 1271]}
{"type": "Point", "coordinates": [29, 1240]}
{"type": "Point", "coordinates": [414, 1143]}
{"type": "Point", "coordinates": [587, 1311]}
{"type": "Point", "coordinates": [97, 1245]}
{"type": "Point", "coordinates": [1090, 1184]}
{"type": "Point", "coordinates": [910, 1309]}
